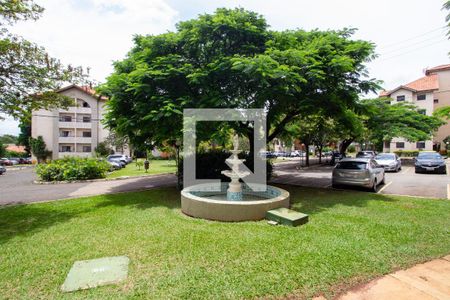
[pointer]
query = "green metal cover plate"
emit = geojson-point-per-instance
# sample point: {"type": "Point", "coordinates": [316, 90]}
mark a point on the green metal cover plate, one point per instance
{"type": "Point", "coordinates": [86, 274]}
{"type": "Point", "coordinates": [287, 216]}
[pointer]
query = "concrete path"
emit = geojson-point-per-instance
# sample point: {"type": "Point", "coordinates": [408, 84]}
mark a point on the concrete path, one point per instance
{"type": "Point", "coordinates": [16, 187]}
{"type": "Point", "coordinates": [430, 280]}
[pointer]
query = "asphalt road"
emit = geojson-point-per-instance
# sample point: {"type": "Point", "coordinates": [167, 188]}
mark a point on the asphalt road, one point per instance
{"type": "Point", "coordinates": [16, 187]}
{"type": "Point", "coordinates": [405, 182]}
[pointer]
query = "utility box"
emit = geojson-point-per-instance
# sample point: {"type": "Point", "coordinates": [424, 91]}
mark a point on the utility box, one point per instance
{"type": "Point", "coordinates": [287, 217]}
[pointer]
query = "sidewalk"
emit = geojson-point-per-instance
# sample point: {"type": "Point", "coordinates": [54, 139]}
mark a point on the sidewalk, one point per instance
{"type": "Point", "coordinates": [430, 280]}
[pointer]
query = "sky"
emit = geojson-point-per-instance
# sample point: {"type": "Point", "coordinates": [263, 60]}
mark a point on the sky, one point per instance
{"type": "Point", "coordinates": [409, 34]}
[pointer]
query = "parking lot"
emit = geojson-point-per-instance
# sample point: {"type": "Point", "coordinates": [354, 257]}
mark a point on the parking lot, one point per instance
{"type": "Point", "coordinates": [405, 182]}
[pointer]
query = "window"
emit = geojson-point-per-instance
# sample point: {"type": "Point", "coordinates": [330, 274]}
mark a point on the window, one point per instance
{"type": "Point", "coordinates": [422, 111]}
{"type": "Point", "coordinates": [422, 97]}
{"type": "Point", "coordinates": [400, 145]}
{"type": "Point", "coordinates": [86, 134]}
{"type": "Point", "coordinates": [65, 118]}
{"type": "Point", "coordinates": [420, 145]}
{"type": "Point", "coordinates": [85, 104]}
{"type": "Point", "coordinates": [65, 133]}
{"type": "Point", "coordinates": [86, 148]}
{"type": "Point", "coordinates": [66, 149]}
{"type": "Point", "coordinates": [436, 100]}
{"type": "Point", "coordinates": [86, 119]}
{"type": "Point", "coordinates": [387, 144]}
{"type": "Point", "coordinates": [401, 98]}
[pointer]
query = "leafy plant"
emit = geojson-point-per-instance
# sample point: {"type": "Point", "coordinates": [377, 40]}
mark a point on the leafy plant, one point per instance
{"type": "Point", "coordinates": [39, 148]}
{"type": "Point", "coordinates": [72, 168]}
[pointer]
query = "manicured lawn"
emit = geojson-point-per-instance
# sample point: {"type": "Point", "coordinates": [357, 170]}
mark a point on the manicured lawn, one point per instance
{"type": "Point", "coordinates": [156, 167]}
{"type": "Point", "coordinates": [351, 237]}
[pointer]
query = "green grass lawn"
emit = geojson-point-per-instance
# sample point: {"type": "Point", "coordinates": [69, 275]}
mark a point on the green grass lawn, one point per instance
{"type": "Point", "coordinates": [156, 167]}
{"type": "Point", "coordinates": [351, 238]}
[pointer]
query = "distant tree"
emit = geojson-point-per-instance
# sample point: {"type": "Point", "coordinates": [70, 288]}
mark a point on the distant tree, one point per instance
{"type": "Point", "coordinates": [8, 139]}
{"type": "Point", "coordinates": [2, 149]}
{"type": "Point", "coordinates": [39, 148]}
{"type": "Point", "coordinates": [28, 75]}
{"type": "Point", "coordinates": [25, 133]}
{"type": "Point", "coordinates": [380, 121]}
{"type": "Point", "coordinates": [103, 149]}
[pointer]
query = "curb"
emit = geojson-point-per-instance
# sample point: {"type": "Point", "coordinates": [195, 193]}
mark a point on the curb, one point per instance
{"type": "Point", "coordinates": [98, 180]}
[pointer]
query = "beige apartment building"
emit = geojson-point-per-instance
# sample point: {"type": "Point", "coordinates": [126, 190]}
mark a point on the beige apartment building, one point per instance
{"type": "Point", "coordinates": [75, 131]}
{"type": "Point", "coordinates": [427, 93]}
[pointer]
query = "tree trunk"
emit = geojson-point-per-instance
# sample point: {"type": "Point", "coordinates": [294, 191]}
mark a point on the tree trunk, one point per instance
{"type": "Point", "coordinates": [307, 154]}
{"type": "Point", "coordinates": [320, 153]}
{"type": "Point", "coordinates": [344, 145]}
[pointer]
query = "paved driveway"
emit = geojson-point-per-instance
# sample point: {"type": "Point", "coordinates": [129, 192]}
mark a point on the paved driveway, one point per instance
{"type": "Point", "coordinates": [17, 187]}
{"type": "Point", "coordinates": [406, 182]}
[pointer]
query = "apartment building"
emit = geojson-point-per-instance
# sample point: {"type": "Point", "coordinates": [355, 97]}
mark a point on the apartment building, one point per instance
{"type": "Point", "coordinates": [75, 131]}
{"type": "Point", "coordinates": [427, 93]}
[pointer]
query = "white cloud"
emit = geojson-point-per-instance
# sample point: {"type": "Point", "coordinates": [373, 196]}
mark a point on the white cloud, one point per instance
{"type": "Point", "coordinates": [94, 33]}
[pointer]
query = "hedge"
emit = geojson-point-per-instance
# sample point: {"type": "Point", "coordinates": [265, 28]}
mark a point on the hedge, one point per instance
{"type": "Point", "coordinates": [72, 168]}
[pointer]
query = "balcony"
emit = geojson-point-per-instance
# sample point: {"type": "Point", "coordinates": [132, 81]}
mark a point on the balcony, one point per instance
{"type": "Point", "coordinates": [77, 109]}
{"type": "Point", "coordinates": [73, 124]}
{"type": "Point", "coordinates": [76, 154]}
{"type": "Point", "coordinates": [74, 139]}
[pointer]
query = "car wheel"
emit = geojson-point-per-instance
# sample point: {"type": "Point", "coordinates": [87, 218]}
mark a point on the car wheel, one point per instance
{"type": "Point", "coordinates": [383, 180]}
{"type": "Point", "coordinates": [375, 186]}
{"type": "Point", "coordinates": [416, 171]}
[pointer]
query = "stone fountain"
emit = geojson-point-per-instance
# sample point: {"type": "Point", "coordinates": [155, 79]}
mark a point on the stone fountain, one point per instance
{"type": "Point", "coordinates": [234, 191]}
{"type": "Point", "coordinates": [235, 201]}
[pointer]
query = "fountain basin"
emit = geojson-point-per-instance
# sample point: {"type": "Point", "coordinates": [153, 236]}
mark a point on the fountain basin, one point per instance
{"type": "Point", "coordinates": [213, 205]}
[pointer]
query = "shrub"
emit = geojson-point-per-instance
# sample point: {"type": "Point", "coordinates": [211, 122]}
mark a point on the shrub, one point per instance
{"type": "Point", "coordinates": [407, 153]}
{"type": "Point", "coordinates": [209, 165]}
{"type": "Point", "coordinates": [351, 149]}
{"type": "Point", "coordinates": [72, 168]}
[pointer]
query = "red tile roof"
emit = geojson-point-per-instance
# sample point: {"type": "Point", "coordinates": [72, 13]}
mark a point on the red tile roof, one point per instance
{"type": "Point", "coordinates": [437, 69]}
{"type": "Point", "coordinates": [426, 83]}
{"type": "Point", "coordinates": [15, 148]}
{"type": "Point", "coordinates": [88, 90]}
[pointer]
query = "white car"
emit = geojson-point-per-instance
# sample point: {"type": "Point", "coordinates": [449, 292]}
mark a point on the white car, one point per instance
{"type": "Point", "coordinates": [362, 172]}
{"type": "Point", "coordinates": [124, 158]}
{"type": "Point", "coordinates": [389, 161]}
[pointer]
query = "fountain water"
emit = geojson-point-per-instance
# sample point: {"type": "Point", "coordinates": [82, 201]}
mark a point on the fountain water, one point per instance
{"type": "Point", "coordinates": [234, 191]}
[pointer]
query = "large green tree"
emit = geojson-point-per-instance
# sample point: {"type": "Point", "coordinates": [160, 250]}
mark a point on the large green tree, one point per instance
{"type": "Point", "coordinates": [230, 59]}
{"type": "Point", "coordinates": [379, 120]}
{"type": "Point", "coordinates": [28, 75]}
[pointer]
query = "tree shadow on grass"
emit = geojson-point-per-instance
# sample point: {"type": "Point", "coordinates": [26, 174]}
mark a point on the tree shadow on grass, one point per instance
{"type": "Point", "coordinates": [312, 200]}
{"type": "Point", "coordinates": [26, 220]}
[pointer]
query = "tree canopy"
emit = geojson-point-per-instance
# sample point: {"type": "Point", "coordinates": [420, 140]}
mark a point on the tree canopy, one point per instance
{"type": "Point", "coordinates": [28, 75]}
{"type": "Point", "coordinates": [230, 59]}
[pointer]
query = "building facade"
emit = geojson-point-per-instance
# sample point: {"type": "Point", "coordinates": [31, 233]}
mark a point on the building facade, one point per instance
{"type": "Point", "coordinates": [75, 131]}
{"type": "Point", "coordinates": [428, 94]}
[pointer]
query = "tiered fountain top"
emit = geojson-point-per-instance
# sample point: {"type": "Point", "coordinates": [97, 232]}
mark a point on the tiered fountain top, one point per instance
{"type": "Point", "coordinates": [235, 162]}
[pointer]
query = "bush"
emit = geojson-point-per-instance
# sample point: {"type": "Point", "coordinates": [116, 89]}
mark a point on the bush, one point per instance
{"type": "Point", "coordinates": [351, 149]}
{"type": "Point", "coordinates": [210, 165]}
{"type": "Point", "coordinates": [72, 168]}
{"type": "Point", "coordinates": [407, 153]}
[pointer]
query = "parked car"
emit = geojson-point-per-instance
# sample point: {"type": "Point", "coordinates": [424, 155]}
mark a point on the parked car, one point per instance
{"type": "Point", "coordinates": [280, 154]}
{"type": "Point", "coordinates": [2, 170]}
{"type": "Point", "coordinates": [336, 156]}
{"type": "Point", "coordinates": [114, 165]}
{"type": "Point", "coordinates": [117, 160]}
{"type": "Point", "coordinates": [5, 162]}
{"type": "Point", "coordinates": [121, 157]}
{"type": "Point", "coordinates": [366, 154]}
{"type": "Point", "coordinates": [389, 161]}
{"type": "Point", "coordinates": [430, 162]}
{"type": "Point", "coordinates": [298, 153]}
{"type": "Point", "coordinates": [14, 160]}
{"type": "Point", "coordinates": [266, 154]}
{"type": "Point", "coordinates": [362, 172]}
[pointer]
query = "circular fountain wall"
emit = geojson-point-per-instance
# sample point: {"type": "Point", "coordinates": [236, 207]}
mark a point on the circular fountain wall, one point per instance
{"type": "Point", "coordinates": [201, 202]}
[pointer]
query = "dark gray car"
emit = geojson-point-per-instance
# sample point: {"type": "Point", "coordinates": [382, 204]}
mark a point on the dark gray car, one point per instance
{"type": "Point", "coordinates": [430, 162]}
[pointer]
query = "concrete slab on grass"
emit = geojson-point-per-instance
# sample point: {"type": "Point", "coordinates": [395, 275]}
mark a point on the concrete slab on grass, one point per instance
{"type": "Point", "coordinates": [86, 274]}
{"type": "Point", "coordinates": [287, 216]}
